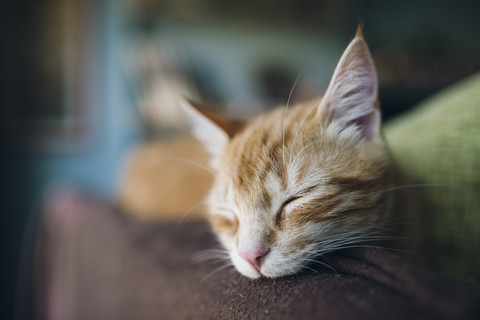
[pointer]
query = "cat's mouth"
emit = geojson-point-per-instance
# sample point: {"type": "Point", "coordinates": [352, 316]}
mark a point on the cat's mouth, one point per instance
{"type": "Point", "coordinates": [249, 265]}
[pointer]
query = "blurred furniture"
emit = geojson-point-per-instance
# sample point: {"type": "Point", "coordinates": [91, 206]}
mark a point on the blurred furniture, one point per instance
{"type": "Point", "coordinates": [436, 147]}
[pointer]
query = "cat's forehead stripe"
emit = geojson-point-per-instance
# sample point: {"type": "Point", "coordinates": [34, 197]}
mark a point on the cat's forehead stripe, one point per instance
{"type": "Point", "coordinates": [264, 140]}
{"type": "Point", "coordinates": [258, 158]}
{"type": "Point", "coordinates": [253, 156]}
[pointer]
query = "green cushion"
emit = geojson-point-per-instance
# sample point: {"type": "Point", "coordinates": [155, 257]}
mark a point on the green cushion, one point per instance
{"type": "Point", "coordinates": [438, 144]}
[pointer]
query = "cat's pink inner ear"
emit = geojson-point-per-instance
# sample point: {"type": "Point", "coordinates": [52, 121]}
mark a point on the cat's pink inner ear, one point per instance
{"type": "Point", "coordinates": [369, 124]}
{"type": "Point", "coordinates": [213, 130]}
{"type": "Point", "coordinates": [352, 93]}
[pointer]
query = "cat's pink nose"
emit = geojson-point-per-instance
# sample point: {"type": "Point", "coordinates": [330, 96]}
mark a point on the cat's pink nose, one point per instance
{"type": "Point", "coordinates": [255, 256]}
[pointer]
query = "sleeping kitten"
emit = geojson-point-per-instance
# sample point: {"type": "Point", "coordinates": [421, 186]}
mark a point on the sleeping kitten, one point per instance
{"type": "Point", "coordinates": [300, 181]}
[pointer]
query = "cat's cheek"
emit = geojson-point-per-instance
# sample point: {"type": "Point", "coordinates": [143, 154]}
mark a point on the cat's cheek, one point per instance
{"type": "Point", "coordinates": [244, 267]}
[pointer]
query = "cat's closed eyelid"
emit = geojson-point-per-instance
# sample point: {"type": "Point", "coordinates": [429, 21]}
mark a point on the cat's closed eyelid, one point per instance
{"type": "Point", "coordinates": [278, 216]}
{"type": "Point", "coordinates": [307, 190]}
{"type": "Point", "coordinates": [225, 212]}
{"type": "Point", "coordinates": [299, 195]}
{"type": "Point", "coordinates": [220, 223]}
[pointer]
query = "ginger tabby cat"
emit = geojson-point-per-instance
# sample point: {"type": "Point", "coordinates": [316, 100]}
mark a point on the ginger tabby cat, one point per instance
{"type": "Point", "coordinates": [300, 181]}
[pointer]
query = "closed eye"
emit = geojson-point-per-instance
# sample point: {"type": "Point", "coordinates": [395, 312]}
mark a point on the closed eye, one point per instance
{"type": "Point", "coordinates": [225, 211]}
{"type": "Point", "coordinates": [308, 190]}
{"type": "Point", "coordinates": [278, 216]}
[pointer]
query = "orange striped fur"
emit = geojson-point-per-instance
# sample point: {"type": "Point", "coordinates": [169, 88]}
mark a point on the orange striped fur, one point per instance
{"type": "Point", "coordinates": [301, 180]}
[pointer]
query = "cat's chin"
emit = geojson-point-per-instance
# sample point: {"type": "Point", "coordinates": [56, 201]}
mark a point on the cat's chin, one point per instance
{"type": "Point", "coordinates": [250, 274]}
{"type": "Point", "coordinates": [276, 272]}
{"type": "Point", "coordinates": [253, 274]}
{"type": "Point", "coordinates": [245, 269]}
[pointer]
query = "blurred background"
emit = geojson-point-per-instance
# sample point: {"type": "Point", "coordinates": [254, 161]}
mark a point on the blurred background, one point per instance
{"type": "Point", "coordinates": [84, 81]}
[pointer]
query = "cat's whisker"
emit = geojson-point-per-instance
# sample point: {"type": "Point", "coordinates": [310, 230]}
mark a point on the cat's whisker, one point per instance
{"type": "Point", "coordinates": [210, 254]}
{"type": "Point", "coordinates": [352, 242]}
{"type": "Point", "coordinates": [300, 127]}
{"type": "Point", "coordinates": [215, 250]}
{"type": "Point", "coordinates": [335, 242]}
{"type": "Point", "coordinates": [220, 249]}
{"type": "Point", "coordinates": [210, 257]}
{"type": "Point", "coordinates": [189, 211]}
{"type": "Point", "coordinates": [408, 186]}
{"type": "Point", "coordinates": [215, 262]}
{"type": "Point", "coordinates": [354, 238]}
{"type": "Point", "coordinates": [185, 160]}
{"type": "Point", "coordinates": [316, 253]}
{"type": "Point", "coordinates": [216, 271]}
{"type": "Point", "coordinates": [320, 263]}
{"type": "Point", "coordinates": [285, 116]}
{"type": "Point", "coordinates": [307, 267]}
{"type": "Point", "coordinates": [233, 270]}
{"type": "Point", "coordinates": [365, 231]}
{"type": "Point", "coordinates": [365, 246]}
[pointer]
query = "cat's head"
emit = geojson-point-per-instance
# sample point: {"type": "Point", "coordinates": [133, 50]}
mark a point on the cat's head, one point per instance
{"type": "Point", "coordinates": [294, 183]}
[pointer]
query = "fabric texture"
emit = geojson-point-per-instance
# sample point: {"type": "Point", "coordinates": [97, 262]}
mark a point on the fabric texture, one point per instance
{"type": "Point", "coordinates": [93, 262]}
{"type": "Point", "coordinates": [437, 148]}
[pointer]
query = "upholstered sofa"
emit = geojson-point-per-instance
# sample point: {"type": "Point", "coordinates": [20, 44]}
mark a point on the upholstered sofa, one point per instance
{"type": "Point", "coordinates": [94, 259]}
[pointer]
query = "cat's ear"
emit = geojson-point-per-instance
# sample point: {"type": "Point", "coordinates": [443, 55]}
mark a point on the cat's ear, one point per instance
{"type": "Point", "coordinates": [213, 130]}
{"type": "Point", "coordinates": [351, 96]}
